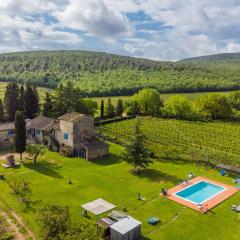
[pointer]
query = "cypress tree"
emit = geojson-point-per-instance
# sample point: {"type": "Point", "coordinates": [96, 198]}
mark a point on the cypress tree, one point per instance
{"type": "Point", "coordinates": [102, 109]}
{"type": "Point", "coordinates": [11, 100]}
{"type": "Point", "coordinates": [20, 134]}
{"type": "Point", "coordinates": [119, 107]}
{"type": "Point", "coordinates": [21, 106]}
{"type": "Point", "coordinates": [136, 153]}
{"type": "Point", "coordinates": [110, 112]}
{"type": "Point", "coordinates": [31, 102]}
{"type": "Point", "coordinates": [1, 111]}
{"type": "Point", "coordinates": [47, 106]}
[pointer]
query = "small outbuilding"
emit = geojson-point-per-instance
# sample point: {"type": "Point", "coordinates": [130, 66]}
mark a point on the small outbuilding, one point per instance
{"type": "Point", "coordinates": [98, 207]}
{"type": "Point", "coordinates": [126, 229]}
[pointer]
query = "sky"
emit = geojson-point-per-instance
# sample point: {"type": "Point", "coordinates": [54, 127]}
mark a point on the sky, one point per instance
{"type": "Point", "coordinates": [154, 29]}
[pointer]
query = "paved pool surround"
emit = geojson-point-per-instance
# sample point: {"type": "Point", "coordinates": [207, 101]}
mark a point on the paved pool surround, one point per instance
{"type": "Point", "coordinates": [211, 202]}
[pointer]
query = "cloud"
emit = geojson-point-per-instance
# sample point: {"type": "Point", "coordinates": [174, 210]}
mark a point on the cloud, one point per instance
{"type": "Point", "coordinates": [94, 17]}
{"type": "Point", "coordinates": [165, 30]}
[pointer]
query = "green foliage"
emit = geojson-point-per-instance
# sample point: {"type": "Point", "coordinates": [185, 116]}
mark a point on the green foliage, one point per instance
{"type": "Point", "coordinates": [67, 98]}
{"type": "Point", "coordinates": [165, 137]}
{"type": "Point", "coordinates": [1, 111]}
{"type": "Point", "coordinates": [20, 138]}
{"type": "Point", "coordinates": [54, 221]}
{"type": "Point", "coordinates": [109, 110]}
{"type": "Point", "coordinates": [178, 107]}
{"type": "Point", "coordinates": [83, 230]}
{"type": "Point", "coordinates": [47, 106]}
{"type": "Point", "coordinates": [213, 106]}
{"type": "Point", "coordinates": [102, 110]}
{"type": "Point", "coordinates": [149, 101]}
{"type": "Point", "coordinates": [36, 150]}
{"type": "Point", "coordinates": [11, 98]}
{"type": "Point", "coordinates": [31, 102]}
{"type": "Point", "coordinates": [101, 74]}
{"type": "Point", "coordinates": [21, 189]}
{"type": "Point", "coordinates": [136, 154]}
{"type": "Point", "coordinates": [6, 236]}
{"type": "Point", "coordinates": [234, 99]}
{"type": "Point", "coordinates": [119, 107]}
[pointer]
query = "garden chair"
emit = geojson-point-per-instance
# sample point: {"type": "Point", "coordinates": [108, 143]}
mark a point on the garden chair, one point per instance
{"type": "Point", "coordinates": [236, 208]}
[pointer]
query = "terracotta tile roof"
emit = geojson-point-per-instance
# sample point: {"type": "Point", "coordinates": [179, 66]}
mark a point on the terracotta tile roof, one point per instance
{"type": "Point", "coordinates": [41, 123]}
{"type": "Point", "coordinates": [71, 117]}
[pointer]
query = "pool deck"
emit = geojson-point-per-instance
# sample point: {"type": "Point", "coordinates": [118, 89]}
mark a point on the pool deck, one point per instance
{"type": "Point", "coordinates": [209, 204]}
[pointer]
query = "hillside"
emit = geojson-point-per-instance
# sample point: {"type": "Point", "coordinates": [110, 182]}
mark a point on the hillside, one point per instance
{"type": "Point", "coordinates": [102, 74]}
{"type": "Point", "coordinates": [222, 57]}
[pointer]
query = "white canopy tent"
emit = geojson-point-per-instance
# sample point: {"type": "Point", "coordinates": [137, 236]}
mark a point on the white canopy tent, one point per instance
{"type": "Point", "coordinates": [98, 206]}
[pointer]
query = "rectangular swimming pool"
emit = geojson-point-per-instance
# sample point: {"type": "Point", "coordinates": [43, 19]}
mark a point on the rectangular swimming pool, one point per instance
{"type": "Point", "coordinates": [200, 192]}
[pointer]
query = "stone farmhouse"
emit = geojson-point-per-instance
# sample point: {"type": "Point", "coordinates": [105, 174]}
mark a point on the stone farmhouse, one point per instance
{"type": "Point", "coordinates": [71, 134]}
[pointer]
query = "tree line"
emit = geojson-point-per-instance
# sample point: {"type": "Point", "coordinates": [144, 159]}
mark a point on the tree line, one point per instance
{"type": "Point", "coordinates": [148, 102]}
{"type": "Point", "coordinates": [24, 98]}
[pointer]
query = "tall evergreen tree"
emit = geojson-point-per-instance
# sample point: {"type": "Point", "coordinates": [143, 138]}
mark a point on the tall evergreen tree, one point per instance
{"type": "Point", "coordinates": [31, 102]}
{"type": "Point", "coordinates": [11, 100]}
{"type": "Point", "coordinates": [136, 153]}
{"type": "Point", "coordinates": [102, 109]}
{"type": "Point", "coordinates": [47, 106]}
{"type": "Point", "coordinates": [119, 107]}
{"type": "Point", "coordinates": [1, 111]}
{"type": "Point", "coordinates": [21, 106]}
{"type": "Point", "coordinates": [110, 112]}
{"type": "Point", "coordinates": [20, 134]}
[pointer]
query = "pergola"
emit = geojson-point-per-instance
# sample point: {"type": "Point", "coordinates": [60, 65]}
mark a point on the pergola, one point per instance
{"type": "Point", "coordinates": [98, 207]}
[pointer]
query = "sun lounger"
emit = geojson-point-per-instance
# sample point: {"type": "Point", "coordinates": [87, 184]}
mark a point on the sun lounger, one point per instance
{"type": "Point", "coordinates": [11, 166]}
{"type": "Point", "coordinates": [190, 175]}
{"type": "Point", "coordinates": [236, 208]}
{"type": "Point", "coordinates": [237, 180]}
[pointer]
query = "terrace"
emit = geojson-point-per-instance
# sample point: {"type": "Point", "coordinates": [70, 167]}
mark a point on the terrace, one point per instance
{"type": "Point", "coordinates": [201, 198]}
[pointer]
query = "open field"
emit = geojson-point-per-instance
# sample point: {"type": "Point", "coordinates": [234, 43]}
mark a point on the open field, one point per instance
{"type": "Point", "coordinates": [41, 91]}
{"type": "Point", "coordinates": [108, 178]}
{"type": "Point", "coordinates": [214, 141]}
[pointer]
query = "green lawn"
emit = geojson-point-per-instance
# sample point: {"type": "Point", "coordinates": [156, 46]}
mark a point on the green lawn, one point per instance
{"type": "Point", "coordinates": [110, 179]}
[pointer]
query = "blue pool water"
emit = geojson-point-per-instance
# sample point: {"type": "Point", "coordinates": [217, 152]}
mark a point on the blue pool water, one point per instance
{"type": "Point", "coordinates": [200, 192]}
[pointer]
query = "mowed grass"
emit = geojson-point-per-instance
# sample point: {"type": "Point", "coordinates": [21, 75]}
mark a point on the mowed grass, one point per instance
{"type": "Point", "coordinates": [110, 179]}
{"type": "Point", "coordinates": [41, 91]}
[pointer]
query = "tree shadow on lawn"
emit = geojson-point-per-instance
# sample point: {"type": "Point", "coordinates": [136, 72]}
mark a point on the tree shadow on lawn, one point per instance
{"type": "Point", "coordinates": [108, 160]}
{"type": "Point", "coordinates": [30, 206]}
{"type": "Point", "coordinates": [45, 168]}
{"type": "Point", "coordinates": [158, 176]}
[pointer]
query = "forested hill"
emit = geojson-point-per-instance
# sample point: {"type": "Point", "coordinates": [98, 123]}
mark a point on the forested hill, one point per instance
{"type": "Point", "coordinates": [222, 57]}
{"type": "Point", "coordinates": [102, 74]}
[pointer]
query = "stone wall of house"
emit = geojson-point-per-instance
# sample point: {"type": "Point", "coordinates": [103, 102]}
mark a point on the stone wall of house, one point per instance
{"type": "Point", "coordinates": [97, 153]}
{"type": "Point", "coordinates": [65, 128]}
{"type": "Point", "coordinates": [84, 127]}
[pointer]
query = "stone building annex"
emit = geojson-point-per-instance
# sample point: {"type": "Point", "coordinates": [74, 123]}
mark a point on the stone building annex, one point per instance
{"type": "Point", "coordinates": [70, 134]}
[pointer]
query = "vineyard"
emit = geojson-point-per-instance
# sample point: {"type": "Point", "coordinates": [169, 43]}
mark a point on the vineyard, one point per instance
{"type": "Point", "coordinates": [213, 142]}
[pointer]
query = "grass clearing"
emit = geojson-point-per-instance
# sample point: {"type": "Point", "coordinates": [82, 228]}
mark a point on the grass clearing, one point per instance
{"type": "Point", "coordinates": [108, 178]}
